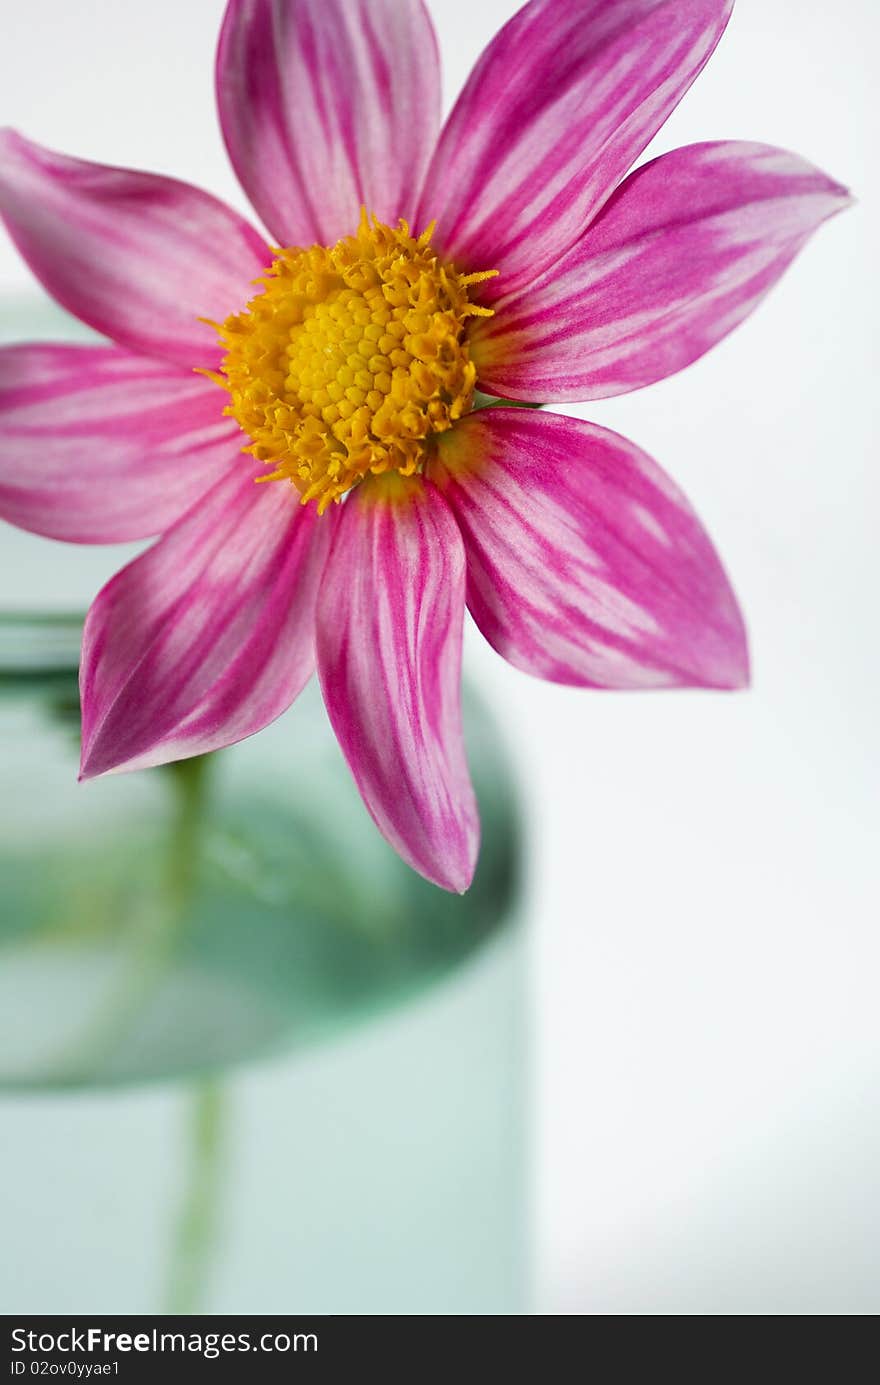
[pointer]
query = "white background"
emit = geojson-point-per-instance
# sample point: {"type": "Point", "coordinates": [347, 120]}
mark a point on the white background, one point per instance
{"type": "Point", "coordinates": [704, 873]}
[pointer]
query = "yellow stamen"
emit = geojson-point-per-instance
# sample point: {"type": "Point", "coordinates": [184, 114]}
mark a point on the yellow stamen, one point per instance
{"type": "Point", "coordinates": [350, 359]}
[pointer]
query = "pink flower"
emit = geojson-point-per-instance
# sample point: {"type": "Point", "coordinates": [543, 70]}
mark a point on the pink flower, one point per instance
{"type": "Point", "coordinates": [537, 270]}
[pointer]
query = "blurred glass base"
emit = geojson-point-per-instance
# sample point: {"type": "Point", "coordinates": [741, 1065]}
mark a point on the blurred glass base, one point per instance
{"type": "Point", "coordinates": [379, 1174]}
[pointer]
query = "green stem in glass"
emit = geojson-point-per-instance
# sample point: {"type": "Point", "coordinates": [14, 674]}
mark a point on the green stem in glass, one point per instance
{"type": "Point", "coordinates": [190, 789]}
{"type": "Point", "coordinates": [196, 1230]}
{"type": "Point", "coordinates": [151, 938]}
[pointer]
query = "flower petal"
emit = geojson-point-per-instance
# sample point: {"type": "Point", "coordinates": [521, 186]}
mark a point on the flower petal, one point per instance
{"type": "Point", "coordinates": [390, 619]}
{"type": "Point", "coordinates": [685, 249]}
{"type": "Point", "coordinates": [138, 257]}
{"type": "Point", "coordinates": [558, 108]}
{"type": "Point", "coordinates": [209, 635]}
{"type": "Point", "coordinates": [586, 565]}
{"type": "Point", "coordinates": [327, 106]}
{"type": "Point", "coordinates": [98, 445]}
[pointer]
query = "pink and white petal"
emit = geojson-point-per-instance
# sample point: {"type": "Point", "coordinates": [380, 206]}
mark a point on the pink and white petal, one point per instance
{"type": "Point", "coordinates": [586, 565]}
{"type": "Point", "coordinates": [209, 635]}
{"type": "Point", "coordinates": [138, 257]}
{"type": "Point", "coordinates": [390, 617]}
{"type": "Point", "coordinates": [328, 106]}
{"type": "Point", "coordinates": [558, 108]}
{"type": "Point", "coordinates": [98, 445]}
{"type": "Point", "coordinates": [687, 248]}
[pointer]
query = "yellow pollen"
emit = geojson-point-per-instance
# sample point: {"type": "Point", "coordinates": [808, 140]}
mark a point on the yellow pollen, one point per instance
{"type": "Point", "coordinates": [350, 359]}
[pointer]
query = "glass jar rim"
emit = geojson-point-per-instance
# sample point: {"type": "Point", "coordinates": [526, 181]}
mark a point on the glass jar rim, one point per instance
{"type": "Point", "coordinates": [42, 644]}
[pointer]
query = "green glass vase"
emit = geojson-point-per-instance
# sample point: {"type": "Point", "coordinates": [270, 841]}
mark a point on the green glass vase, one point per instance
{"type": "Point", "coordinates": [185, 918]}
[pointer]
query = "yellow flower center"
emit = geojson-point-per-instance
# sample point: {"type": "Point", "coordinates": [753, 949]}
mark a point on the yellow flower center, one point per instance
{"type": "Point", "coordinates": [350, 359]}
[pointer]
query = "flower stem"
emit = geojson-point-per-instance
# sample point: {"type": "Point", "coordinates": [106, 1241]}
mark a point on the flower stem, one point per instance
{"type": "Point", "coordinates": [151, 935]}
{"type": "Point", "coordinates": [195, 1233]}
{"type": "Point", "coordinates": [190, 782]}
